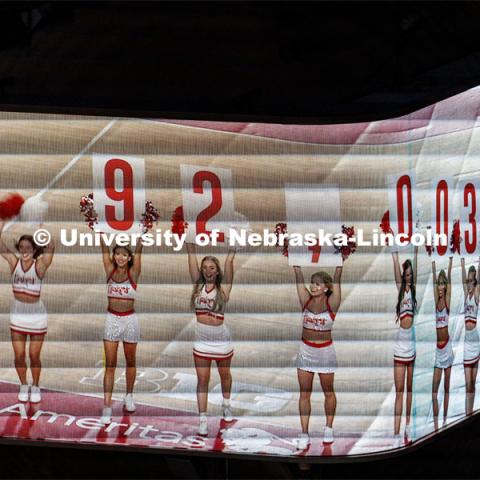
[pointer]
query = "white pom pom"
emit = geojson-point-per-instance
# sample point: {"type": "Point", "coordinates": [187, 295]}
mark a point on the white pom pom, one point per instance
{"type": "Point", "coordinates": [34, 210]}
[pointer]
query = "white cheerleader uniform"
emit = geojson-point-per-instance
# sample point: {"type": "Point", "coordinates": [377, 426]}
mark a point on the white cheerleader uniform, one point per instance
{"type": "Point", "coordinates": [404, 350]}
{"type": "Point", "coordinates": [443, 354]}
{"type": "Point", "coordinates": [212, 342]}
{"type": "Point", "coordinates": [121, 326]}
{"type": "Point", "coordinates": [27, 318]}
{"type": "Point", "coordinates": [314, 357]}
{"type": "Point", "coordinates": [471, 350]}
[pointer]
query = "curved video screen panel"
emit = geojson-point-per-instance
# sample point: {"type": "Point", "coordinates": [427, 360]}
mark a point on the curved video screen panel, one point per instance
{"type": "Point", "coordinates": [241, 288]}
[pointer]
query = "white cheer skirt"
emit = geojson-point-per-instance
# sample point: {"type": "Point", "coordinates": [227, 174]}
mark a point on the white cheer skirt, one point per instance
{"type": "Point", "coordinates": [471, 350]}
{"type": "Point", "coordinates": [444, 355]}
{"type": "Point", "coordinates": [317, 359]}
{"type": "Point", "coordinates": [28, 318]}
{"type": "Point", "coordinates": [212, 342]}
{"type": "Point", "coordinates": [404, 349]}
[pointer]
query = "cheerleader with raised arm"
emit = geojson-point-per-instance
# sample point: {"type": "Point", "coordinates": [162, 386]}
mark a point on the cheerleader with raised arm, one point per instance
{"type": "Point", "coordinates": [122, 269]}
{"type": "Point", "coordinates": [404, 350]}
{"type": "Point", "coordinates": [442, 291]}
{"type": "Point", "coordinates": [317, 353]}
{"type": "Point", "coordinates": [471, 290]}
{"type": "Point", "coordinates": [211, 292]}
{"type": "Point", "coordinates": [28, 316]}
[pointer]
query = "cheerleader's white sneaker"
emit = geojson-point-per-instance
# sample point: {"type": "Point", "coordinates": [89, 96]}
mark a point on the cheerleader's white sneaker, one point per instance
{"type": "Point", "coordinates": [227, 413]}
{"type": "Point", "coordinates": [203, 425]}
{"type": "Point", "coordinates": [106, 417]}
{"type": "Point", "coordinates": [302, 442]}
{"type": "Point", "coordinates": [328, 435]}
{"type": "Point", "coordinates": [35, 395]}
{"type": "Point", "coordinates": [23, 393]}
{"type": "Point", "coordinates": [128, 403]}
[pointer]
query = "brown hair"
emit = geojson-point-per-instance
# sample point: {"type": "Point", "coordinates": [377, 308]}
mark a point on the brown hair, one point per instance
{"type": "Point", "coordinates": [406, 264]}
{"type": "Point", "coordinates": [37, 249]}
{"type": "Point", "coordinates": [219, 299]}
{"type": "Point", "coordinates": [473, 270]}
{"type": "Point", "coordinates": [326, 279]}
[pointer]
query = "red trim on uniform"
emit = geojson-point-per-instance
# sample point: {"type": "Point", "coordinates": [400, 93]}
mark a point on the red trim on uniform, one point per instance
{"type": "Point", "coordinates": [328, 310]}
{"type": "Point", "coordinates": [317, 345]}
{"type": "Point", "coordinates": [120, 314]}
{"type": "Point", "coordinates": [208, 313]}
{"type": "Point", "coordinates": [471, 363]}
{"type": "Point", "coordinates": [407, 361]}
{"type": "Point", "coordinates": [213, 288]}
{"type": "Point", "coordinates": [442, 346]}
{"type": "Point", "coordinates": [43, 332]}
{"type": "Point", "coordinates": [30, 294]}
{"type": "Point", "coordinates": [212, 356]}
{"type": "Point", "coordinates": [21, 265]}
{"type": "Point", "coordinates": [121, 298]}
{"type": "Point", "coordinates": [134, 285]}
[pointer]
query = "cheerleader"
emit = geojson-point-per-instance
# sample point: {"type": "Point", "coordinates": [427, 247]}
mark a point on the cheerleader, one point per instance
{"type": "Point", "coordinates": [404, 350]}
{"type": "Point", "coordinates": [28, 316]}
{"type": "Point", "coordinates": [211, 292]}
{"type": "Point", "coordinates": [442, 292]}
{"type": "Point", "coordinates": [471, 349]}
{"type": "Point", "coordinates": [317, 353]}
{"type": "Point", "coordinates": [122, 269]}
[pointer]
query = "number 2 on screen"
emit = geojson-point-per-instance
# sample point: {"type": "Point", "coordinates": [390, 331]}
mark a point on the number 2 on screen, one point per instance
{"type": "Point", "coordinates": [199, 179]}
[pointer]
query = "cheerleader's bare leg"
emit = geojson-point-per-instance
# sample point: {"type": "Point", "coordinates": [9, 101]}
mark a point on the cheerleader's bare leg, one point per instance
{"type": "Point", "coordinates": [446, 393]}
{"type": "Point", "coordinates": [111, 349]}
{"type": "Point", "coordinates": [305, 381]}
{"type": "Point", "coordinates": [225, 376]}
{"type": "Point", "coordinates": [470, 380]}
{"type": "Point", "coordinates": [326, 381]}
{"type": "Point", "coordinates": [437, 377]}
{"type": "Point", "coordinates": [130, 351]}
{"type": "Point", "coordinates": [409, 392]}
{"type": "Point", "coordinates": [36, 343]}
{"type": "Point", "coordinates": [19, 341]}
{"type": "Point", "coordinates": [202, 366]}
{"type": "Point", "coordinates": [399, 371]}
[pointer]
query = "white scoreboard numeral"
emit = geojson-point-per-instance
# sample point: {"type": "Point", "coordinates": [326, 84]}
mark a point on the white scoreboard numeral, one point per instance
{"type": "Point", "coordinates": [468, 201]}
{"type": "Point", "coordinates": [402, 204]}
{"type": "Point", "coordinates": [310, 208]}
{"type": "Point", "coordinates": [442, 193]}
{"type": "Point", "coordinates": [207, 197]}
{"type": "Point", "coordinates": [118, 192]}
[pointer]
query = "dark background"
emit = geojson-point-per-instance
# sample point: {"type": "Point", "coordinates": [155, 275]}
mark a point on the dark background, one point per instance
{"type": "Point", "coordinates": [258, 61]}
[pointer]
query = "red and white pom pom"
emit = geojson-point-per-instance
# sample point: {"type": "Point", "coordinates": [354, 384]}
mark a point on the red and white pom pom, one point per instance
{"type": "Point", "coordinates": [455, 237]}
{"type": "Point", "coordinates": [179, 224]}
{"type": "Point", "coordinates": [88, 210]}
{"type": "Point", "coordinates": [351, 246]}
{"type": "Point", "coordinates": [385, 223]}
{"type": "Point", "coordinates": [429, 248]}
{"type": "Point", "coordinates": [281, 228]}
{"type": "Point", "coordinates": [149, 216]}
{"type": "Point", "coordinates": [10, 206]}
{"type": "Point", "coordinates": [34, 210]}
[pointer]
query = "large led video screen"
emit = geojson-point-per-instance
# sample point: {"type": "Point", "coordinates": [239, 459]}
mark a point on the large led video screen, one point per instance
{"type": "Point", "coordinates": [270, 289]}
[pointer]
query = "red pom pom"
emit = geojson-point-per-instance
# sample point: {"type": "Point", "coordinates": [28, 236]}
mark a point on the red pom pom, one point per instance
{"type": "Point", "coordinates": [351, 246]}
{"type": "Point", "coordinates": [10, 207]}
{"type": "Point", "coordinates": [149, 216]}
{"type": "Point", "coordinates": [385, 223]}
{"type": "Point", "coordinates": [429, 248]}
{"type": "Point", "coordinates": [455, 238]}
{"type": "Point", "coordinates": [281, 228]}
{"type": "Point", "coordinates": [178, 222]}
{"type": "Point", "coordinates": [88, 210]}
